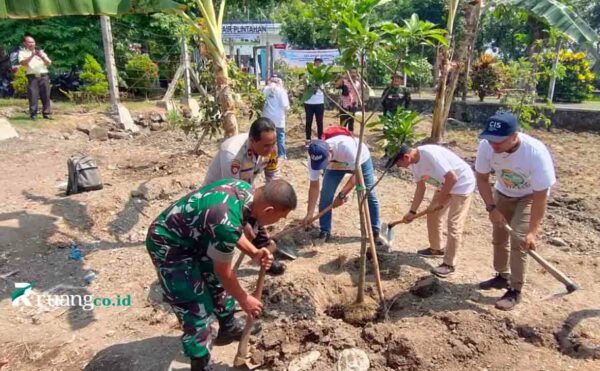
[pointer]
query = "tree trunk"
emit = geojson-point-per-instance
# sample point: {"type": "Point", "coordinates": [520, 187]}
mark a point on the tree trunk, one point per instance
{"type": "Point", "coordinates": [450, 70]}
{"type": "Point", "coordinates": [225, 95]}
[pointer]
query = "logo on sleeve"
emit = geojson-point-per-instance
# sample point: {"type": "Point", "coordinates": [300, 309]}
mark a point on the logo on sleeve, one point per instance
{"type": "Point", "coordinates": [235, 167]}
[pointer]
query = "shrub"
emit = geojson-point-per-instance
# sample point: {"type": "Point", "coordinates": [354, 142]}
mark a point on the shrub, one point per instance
{"type": "Point", "coordinates": [485, 76]}
{"type": "Point", "coordinates": [20, 82]}
{"type": "Point", "coordinates": [421, 74]}
{"type": "Point", "coordinates": [95, 84]}
{"type": "Point", "coordinates": [141, 74]}
{"type": "Point", "coordinates": [577, 80]}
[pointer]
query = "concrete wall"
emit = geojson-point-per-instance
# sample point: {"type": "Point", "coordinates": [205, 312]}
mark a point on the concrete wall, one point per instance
{"type": "Point", "coordinates": [477, 112]}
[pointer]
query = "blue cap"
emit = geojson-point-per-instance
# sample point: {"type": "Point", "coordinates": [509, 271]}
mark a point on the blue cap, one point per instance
{"type": "Point", "coordinates": [318, 151]}
{"type": "Point", "coordinates": [499, 127]}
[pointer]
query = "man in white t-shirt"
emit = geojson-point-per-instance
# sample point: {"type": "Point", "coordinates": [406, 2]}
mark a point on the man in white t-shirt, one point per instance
{"type": "Point", "coordinates": [455, 184]}
{"type": "Point", "coordinates": [275, 108]}
{"type": "Point", "coordinates": [337, 156]}
{"type": "Point", "coordinates": [524, 175]}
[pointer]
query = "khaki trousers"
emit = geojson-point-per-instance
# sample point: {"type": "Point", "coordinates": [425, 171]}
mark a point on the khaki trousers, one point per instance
{"type": "Point", "coordinates": [457, 208]}
{"type": "Point", "coordinates": [517, 212]}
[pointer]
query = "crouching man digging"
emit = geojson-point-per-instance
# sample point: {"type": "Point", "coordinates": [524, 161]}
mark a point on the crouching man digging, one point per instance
{"type": "Point", "coordinates": [455, 184]}
{"type": "Point", "coordinates": [192, 244]}
{"type": "Point", "coordinates": [524, 174]}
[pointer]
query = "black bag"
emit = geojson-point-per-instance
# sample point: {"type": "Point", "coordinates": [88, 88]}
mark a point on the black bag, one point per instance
{"type": "Point", "coordinates": [83, 174]}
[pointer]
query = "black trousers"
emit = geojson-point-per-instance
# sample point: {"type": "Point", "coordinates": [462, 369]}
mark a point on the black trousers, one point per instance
{"type": "Point", "coordinates": [347, 120]}
{"type": "Point", "coordinates": [318, 111]}
{"type": "Point", "coordinates": [38, 88]}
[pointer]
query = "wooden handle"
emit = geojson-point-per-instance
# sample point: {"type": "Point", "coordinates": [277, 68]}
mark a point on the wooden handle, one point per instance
{"type": "Point", "coordinates": [242, 351]}
{"type": "Point", "coordinates": [417, 216]}
{"type": "Point", "coordinates": [284, 232]}
{"type": "Point", "coordinates": [560, 276]}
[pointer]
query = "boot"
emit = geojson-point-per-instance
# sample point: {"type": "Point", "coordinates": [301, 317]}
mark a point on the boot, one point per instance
{"type": "Point", "coordinates": [200, 364]}
{"type": "Point", "coordinates": [231, 329]}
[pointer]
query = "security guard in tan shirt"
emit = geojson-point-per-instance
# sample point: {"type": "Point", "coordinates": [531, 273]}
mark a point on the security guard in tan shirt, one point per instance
{"type": "Point", "coordinates": [38, 87]}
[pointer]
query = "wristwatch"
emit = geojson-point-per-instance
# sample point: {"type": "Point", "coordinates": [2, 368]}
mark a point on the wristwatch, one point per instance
{"type": "Point", "coordinates": [341, 195]}
{"type": "Point", "coordinates": [490, 208]}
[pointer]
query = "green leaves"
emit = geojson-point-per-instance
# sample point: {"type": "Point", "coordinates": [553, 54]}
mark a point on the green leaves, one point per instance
{"type": "Point", "coordinates": [395, 130]}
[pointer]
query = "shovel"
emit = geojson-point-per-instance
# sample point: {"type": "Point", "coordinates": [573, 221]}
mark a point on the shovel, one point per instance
{"type": "Point", "coordinates": [241, 357]}
{"type": "Point", "coordinates": [286, 250]}
{"type": "Point", "coordinates": [560, 276]}
{"type": "Point", "coordinates": [389, 232]}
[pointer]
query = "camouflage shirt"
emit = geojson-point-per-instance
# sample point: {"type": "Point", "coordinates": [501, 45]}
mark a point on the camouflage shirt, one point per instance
{"type": "Point", "coordinates": [207, 222]}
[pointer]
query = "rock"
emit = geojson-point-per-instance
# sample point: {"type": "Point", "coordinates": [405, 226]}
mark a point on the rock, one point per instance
{"type": "Point", "coordinates": [155, 126]}
{"type": "Point", "coordinates": [556, 241]}
{"type": "Point", "coordinates": [163, 117]}
{"type": "Point", "coordinates": [373, 334]}
{"type": "Point", "coordinates": [118, 135]}
{"type": "Point", "coordinates": [304, 362]}
{"type": "Point", "coordinates": [475, 296]}
{"type": "Point", "coordinates": [425, 287]}
{"type": "Point", "coordinates": [98, 133]}
{"type": "Point", "coordinates": [352, 359]}
{"type": "Point", "coordinates": [85, 127]}
{"type": "Point", "coordinates": [272, 339]}
{"type": "Point", "coordinates": [155, 117]}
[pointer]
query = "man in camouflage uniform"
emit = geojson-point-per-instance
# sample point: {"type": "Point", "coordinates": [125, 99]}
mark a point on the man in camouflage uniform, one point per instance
{"type": "Point", "coordinates": [192, 244]}
{"type": "Point", "coordinates": [244, 157]}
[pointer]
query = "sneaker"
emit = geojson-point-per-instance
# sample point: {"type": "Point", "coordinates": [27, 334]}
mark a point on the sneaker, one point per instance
{"type": "Point", "coordinates": [231, 329]}
{"type": "Point", "coordinates": [33, 117]}
{"type": "Point", "coordinates": [48, 117]}
{"type": "Point", "coordinates": [498, 282]}
{"type": "Point", "coordinates": [430, 253]}
{"type": "Point", "coordinates": [277, 268]}
{"type": "Point", "coordinates": [508, 301]}
{"type": "Point", "coordinates": [443, 270]}
{"type": "Point", "coordinates": [324, 236]}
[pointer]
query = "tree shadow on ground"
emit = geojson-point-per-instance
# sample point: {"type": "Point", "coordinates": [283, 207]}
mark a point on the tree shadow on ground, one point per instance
{"type": "Point", "coordinates": [298, 152]}
{"type": "Point", "coordinates": [569, 343]}
{"type": "Point", "coordinates": [24, 238]}
{"type": "Point", "coordinates": [129, 216]}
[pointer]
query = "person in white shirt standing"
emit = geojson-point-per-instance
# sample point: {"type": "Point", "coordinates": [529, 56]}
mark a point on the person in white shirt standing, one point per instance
{"type": "Point", "coordinates": [36, 62]}
{"type": "Point", "coordinates": [524, 175]}
{"type": "Point", "coordinates": [315, 107]}
{"type": "Point", "coordinates": [455, 183]}
{"type": "Point", "coordinates": [276, 106]}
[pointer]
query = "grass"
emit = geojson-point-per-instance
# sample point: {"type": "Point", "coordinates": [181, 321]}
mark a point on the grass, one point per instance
{"type": "Point", "coordinates": [70, 106]}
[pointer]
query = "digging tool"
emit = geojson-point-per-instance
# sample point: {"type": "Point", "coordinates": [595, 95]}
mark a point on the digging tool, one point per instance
{"type": "Point", "coordinates": [389, 232]}
{"type": "Point", "coordinates": [560, 276]}
{"type": "Point", "coordinates": [284, 232]}
{"type": "Point", "coordinates": [241, 357]}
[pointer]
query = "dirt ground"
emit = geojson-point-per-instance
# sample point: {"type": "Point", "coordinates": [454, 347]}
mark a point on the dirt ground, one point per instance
{"type": "Point", "coordinates": [456, 328]}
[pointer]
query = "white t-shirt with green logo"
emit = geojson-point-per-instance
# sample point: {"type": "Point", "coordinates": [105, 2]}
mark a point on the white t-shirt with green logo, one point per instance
{"type": "Point", "coordinates": [528, 169]}
{"type": "Point", "coordinates": [435, 162]}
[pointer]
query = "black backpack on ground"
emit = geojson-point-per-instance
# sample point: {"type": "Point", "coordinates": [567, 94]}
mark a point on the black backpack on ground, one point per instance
{"type": "Point", "coordinates": [83, 174]}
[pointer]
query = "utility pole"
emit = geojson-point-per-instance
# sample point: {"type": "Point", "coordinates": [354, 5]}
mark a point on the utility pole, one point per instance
{"type": "Point", "coordinates": [121, 114]}
{"type": "Point", "coordinates": [187, 95]}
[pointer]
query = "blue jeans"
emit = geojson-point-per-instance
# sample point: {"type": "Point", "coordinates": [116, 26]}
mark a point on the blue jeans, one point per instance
{"type": "Point", "coordinates": [280, 142]}
{"type": "Point", "coordinates": [332, 180]}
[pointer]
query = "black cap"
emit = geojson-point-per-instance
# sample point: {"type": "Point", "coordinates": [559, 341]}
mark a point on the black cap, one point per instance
{"type": "Point", "coordinates": [499, 127]}
{"type": "Point", "coordinates": [404, 149]}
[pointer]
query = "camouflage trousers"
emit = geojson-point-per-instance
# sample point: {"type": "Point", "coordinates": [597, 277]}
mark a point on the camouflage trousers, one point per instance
{"type": "Point", "coordinates": [195, 293]}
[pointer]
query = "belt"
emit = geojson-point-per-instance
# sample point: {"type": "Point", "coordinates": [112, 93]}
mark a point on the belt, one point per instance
{"type": "Point", "coordinates": [513, 198]}
{"type": "Point", "coordinates": [37, 74]}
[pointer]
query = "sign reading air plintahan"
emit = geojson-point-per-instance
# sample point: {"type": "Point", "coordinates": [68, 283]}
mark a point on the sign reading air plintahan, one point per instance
{"type": "Point", "coordinates": [23, 295]}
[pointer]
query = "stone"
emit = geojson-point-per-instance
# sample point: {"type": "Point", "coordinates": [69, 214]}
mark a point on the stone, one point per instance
{"type": "Point", "coordinates": [304, 362]}
{"type": "Point", "coordinates": [98, 133]}
{"type": "Point", "coordinates": [6, 130]}
{"type": "Point", "coordinates": [118, 135]}
{"type": "Point", "coordinates": [475, 297]}
{"type": "Point", "coordinates": [155, 117]}
{"type": "Point", "coordinates": [85, 127]}
{"type": "Point", "coordinates": [155, 126]}
{"type": "Point", "coordinates": [425, 287]}
{"type": "Point", "coordinates": [352, 359]}
{"type": "Point", "coordinates": [123, 117]}
{"type": "Point", "coordinates": [556, 241]}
